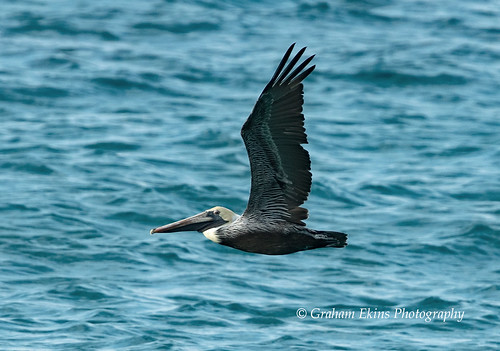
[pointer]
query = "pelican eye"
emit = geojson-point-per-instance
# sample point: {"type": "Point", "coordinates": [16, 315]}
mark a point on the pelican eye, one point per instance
{"type": "Point", "coordinates": [216, 212]}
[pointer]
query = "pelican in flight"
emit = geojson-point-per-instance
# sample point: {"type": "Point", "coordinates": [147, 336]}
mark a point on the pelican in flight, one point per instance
{"type": "Point", "coordinates": [272, 223]}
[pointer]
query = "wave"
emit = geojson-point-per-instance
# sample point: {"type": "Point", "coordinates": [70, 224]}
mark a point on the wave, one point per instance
{"type": "Point", "coordinates": [179, 28]}
{"type": "Point", "coordinates": [32, 23]}
{"type": "Point", "coordinates": [389, 78]}
{"type": "Point", "coordinates": [113, 146]}
{"type": "Point", "coordinates": [28, 167]}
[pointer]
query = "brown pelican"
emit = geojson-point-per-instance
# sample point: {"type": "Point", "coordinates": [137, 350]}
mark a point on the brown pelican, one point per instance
{"type": "Point", "coordinates": [272, 223]}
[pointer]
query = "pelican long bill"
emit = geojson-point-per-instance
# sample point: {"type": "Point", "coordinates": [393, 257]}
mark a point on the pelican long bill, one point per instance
{"type": "Point", "coordinates": [200, 222]}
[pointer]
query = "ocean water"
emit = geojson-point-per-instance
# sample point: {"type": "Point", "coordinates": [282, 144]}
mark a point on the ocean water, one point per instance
{"type": "Point", "coordinates": [117, 117]}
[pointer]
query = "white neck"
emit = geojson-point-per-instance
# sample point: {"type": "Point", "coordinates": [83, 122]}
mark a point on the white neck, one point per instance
{"type": "Point", "coordinates": [212, 232]}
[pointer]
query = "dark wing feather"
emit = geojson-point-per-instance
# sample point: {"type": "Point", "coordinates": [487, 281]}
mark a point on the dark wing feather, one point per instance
{"type": "Point", "coordinates": [273, 134]}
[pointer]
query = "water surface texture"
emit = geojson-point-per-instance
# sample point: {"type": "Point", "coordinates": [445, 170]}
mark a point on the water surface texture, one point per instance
{"type": "Point", "coordinates": [117, 117]}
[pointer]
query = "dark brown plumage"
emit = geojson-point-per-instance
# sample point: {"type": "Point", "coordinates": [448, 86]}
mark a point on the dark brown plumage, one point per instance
{"type": "Point", "coordinates": [273, 134]}
{"type": "Point", "coordinates": [281, 179]}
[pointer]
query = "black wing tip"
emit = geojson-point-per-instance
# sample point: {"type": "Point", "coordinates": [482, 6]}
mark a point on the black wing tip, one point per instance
{"type": "Point", "coordinates": [298, 79]}
{"type": "Point", "coordinates": [282, 75]}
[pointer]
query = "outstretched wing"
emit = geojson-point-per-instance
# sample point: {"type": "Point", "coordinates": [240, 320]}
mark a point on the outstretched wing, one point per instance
{"type": "Point", "coordinates": [273, 134]}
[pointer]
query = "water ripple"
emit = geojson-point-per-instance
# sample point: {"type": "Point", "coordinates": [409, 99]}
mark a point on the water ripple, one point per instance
{"type": "Point", "coordinates": [117, 117]}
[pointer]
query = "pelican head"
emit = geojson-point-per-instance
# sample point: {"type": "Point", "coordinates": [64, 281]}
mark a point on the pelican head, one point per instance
{"type": "Point", "coordinates": [206, 222]}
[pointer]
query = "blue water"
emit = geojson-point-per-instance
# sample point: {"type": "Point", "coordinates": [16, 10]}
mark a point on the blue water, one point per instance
{"type": "Point", "coordinates": [117, 117]}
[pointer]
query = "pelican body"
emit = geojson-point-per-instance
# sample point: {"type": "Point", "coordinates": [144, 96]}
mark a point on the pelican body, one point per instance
{"type": "Point", "coordinates": [280, 167]}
